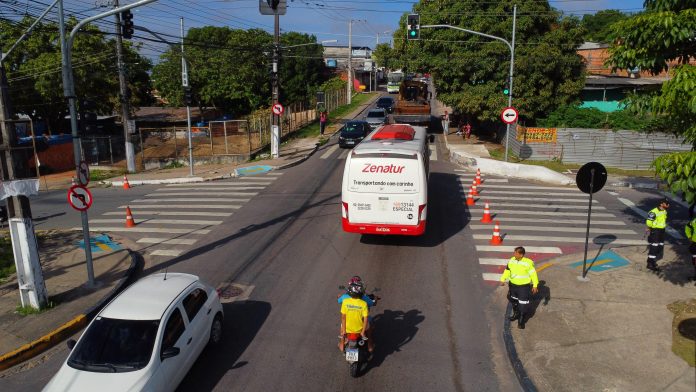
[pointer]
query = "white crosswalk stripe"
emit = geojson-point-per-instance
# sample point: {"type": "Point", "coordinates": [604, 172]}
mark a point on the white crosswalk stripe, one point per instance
{"type": "Point", "coordinates": [249, 194]}
{"type": "Point", "coordinates": [527, 193]}
{"type": "Point", "coordinates": [173, 213]}
{"type": "Point", "coordinates": [167, 241]}
{"type": "Point", "coordinates": [329, 151]}
{"type": "Point", "coordinates": [169, 206]}
{"type": "Point", "coordinates": [433, 152]}
{"type": "Point", "coordinates": [579, 239]}
{"type": "Point", "coordinates": [544, 213]}
{"type": "Point", "coordinates": [596, 230]}
{"type": "Point", "coordinates": [485, 196]}
{"type": "Point", "coordinates": [532, 187]}
{"type": "Point", "coordinates": [162, 221]}
{"type": "Point", "coordinates": [555, 222]}
{"type": "Point", "coordinates": [200, 185]}
{"type": "Point", "coordinates": [540, 205]}
{"type": "Point", "coordinates": [510, 249]}
{"type": "Point", "coordinates": [146, 230]}
{"type": "Point", "coordinates": [167, 252]}
{"type": "Point", "coordinates": [485, 181]}
{"type": "Point", "coordinates": [344, 154]}
{"type": "Point", "coordinates": [217, 189]}
{"type": "Point", "coordinates": [191, 199]}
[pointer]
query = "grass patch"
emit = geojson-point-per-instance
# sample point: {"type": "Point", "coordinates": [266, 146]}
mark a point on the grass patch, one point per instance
{"type": "Point", "coordinates": [7, 264]}
{"type": "Point", "coordinates": [684, 330]}
{"type": "Point", "coordinates": [100, 175]}
{"type": "Point", "coordinates": [312, 130]}
{"type": "Point", "coordinates": [27, 310]}
{"type": "Point", "coordinates": [561, 167]}
{"type": "Point", "coordinates": [174, 165]}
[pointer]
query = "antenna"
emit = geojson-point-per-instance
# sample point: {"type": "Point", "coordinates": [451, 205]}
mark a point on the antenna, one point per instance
{"type": "Point", "coordinates": [165, 273]}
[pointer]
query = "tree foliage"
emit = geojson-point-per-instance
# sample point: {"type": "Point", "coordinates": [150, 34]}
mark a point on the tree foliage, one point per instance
{"type": "Point", "coordinates": [571, 116]}
{"type": "Point", "coordinates": [598, 27]}
{"type": "Point", "coordinates": [384, 56]}
{"type": "Point", "coordinates": [470, 70]}
{"type": "Point", "coordinates": [231, 68]}
{"type": "Point", "coordinates": [35, 78]}
{"type": "Point", "coordinates": [679, 171]}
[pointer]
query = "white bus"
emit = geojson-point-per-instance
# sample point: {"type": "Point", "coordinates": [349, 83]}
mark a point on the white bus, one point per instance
{"type": "Point", "coordinates": [385, 182]}
{"type": "Point", "coordinates": [394, 80]}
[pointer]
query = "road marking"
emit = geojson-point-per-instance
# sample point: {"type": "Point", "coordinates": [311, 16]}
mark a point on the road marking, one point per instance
{"type": "Point", "coordinates": [485, 180]}
{"type": "Point", "coordinates": [219, 184]}
{"type": "Point", "coordinates": [147, 230]}
{"type": "Point", "coordinates": [163, 221]}
{"type": "Point", "coordinates": [533, 187]}
{"type": "Point", "coordinates": [598, 240]}
{"type": "Point", "coordinates": [612, 193]}
{"type": "Point", "coordinates": [675, 234]}
{"type": "Point", "coordinates": [608, 230]}
{"type": "Point", "coordinates": [274, 174]}
{"type": "Point", "coordinates": [167, 241]}
{"type": "Point", "coordinates": [176, 213]}
{"type": "Point", "coordinates": [198, 200]}
{"type": "Point", "coordinates": [545, 266]}
{"type": "Point", "coordinates": [525, 193]}
{"type": "Point", "coordinates": [433, 152]}
{"type": "Point", "coordinates": [559, 206]}
{"type": "Point", "coordinates": [328, 152]}
{"type": "Point", "coordinates": [555, 221]}
{"type": "Point", "coordinates": [166, 252]}
{"type": "Point", "coordinates": [554, 213]}
{"type": "Point", "coordinates": [215, 206]}
{"type": "Point", "coordinates": [596, 263]}
{"type": "Point", "coordinates": [510, 249]}
{"type": "Point", "coordinates": [250, 194]}
{"type": "Point", "coordinates": [230, 188]}
{"type": "Point", "coordinates": [344, 154]}
{"type": "Point", "coordinates": [492, 277]}
{"type": "Point", "coordinates": [493, 261]}
{"type": "Point", "coordinates": [485, 196]}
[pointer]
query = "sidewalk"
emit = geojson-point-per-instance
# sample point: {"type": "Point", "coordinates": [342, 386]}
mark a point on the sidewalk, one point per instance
{"type": "Point", "coordinates": [71, 302]}
{"type": "Point", "coordinates": [614, 332]}
{"type": "Point", "coordinates": [63, 262]}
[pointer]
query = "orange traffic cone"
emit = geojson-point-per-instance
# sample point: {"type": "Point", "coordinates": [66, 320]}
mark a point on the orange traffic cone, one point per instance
{"type": "Point", "coordinates": [478, 177]}
{"type": "Point", "coordinates": [474, 190]}
{"type": "Point", "coordinates": [126, 185]}
{"type": "Point", "coordinates": [486, 214]}
{"type": "Point", "coordinates": [497, 239]}
{"type": "Point", "coordinates": [130, 222]}
{"type": "Point", "coordinates": [470, 199]}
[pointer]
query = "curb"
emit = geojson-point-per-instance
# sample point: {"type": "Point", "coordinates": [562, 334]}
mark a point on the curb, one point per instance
{"type": "Point", "coordinates": [297, 161]}
{"type": "Point", "coordinates": [68, 329]}
{"type": "Point", "coordinates": [525, 382]}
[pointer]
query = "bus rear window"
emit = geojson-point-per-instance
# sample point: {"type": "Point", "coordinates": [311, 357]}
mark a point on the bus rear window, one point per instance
{"type": "Point", "coordinates": [391, 175]}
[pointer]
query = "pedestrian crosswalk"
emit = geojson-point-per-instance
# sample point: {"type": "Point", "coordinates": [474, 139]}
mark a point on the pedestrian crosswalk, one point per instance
{"type": "Point", "coordinates": [546, 220]}
{"type": "Point", "coordinates": [334, 152]}
{"type": "Point", "coordinates": [174, 217]}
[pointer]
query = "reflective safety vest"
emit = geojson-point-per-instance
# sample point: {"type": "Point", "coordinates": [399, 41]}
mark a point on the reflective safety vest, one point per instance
{"type": "Point", "coordinates": [657, 219]}
{"type": "Point", "coordinates": [520, 272]}
{"type": "Point", "coordinates": [690, 230]}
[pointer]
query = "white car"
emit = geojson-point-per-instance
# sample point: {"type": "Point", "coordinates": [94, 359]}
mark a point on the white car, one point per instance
{"type": "Point", "coordinates": [145, 339]}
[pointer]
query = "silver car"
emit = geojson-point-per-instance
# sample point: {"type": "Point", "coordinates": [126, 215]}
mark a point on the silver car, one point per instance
{"type": "Point", "coordinates": [376, 118]}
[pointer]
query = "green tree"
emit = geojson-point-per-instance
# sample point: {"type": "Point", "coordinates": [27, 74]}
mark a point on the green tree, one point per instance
{"type": "Point", "coordinates": [302, 68]}
{"type": "Point", "coordinates": [35, 79]}
{"type": "Point", "coordinates": [385, 57]}
{"type": "Point", "coordinates": [599, 26]}
{"type": "Point", "coordinates": [659, 39]}
{"type": "Point", "coordinates": [470, 71]}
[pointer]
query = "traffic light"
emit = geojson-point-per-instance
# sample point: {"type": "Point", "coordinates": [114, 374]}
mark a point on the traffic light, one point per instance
{"type": "Point", "coordinates": [413, 27]}
{"type": "Point", "coordinates": [127, 28]}
{"type": "Point", "coordinates": [188, 96]}
{"type": "Point", "coordinates": [88, 117]}
{"type": "Point", "coordinates": [506, 87]}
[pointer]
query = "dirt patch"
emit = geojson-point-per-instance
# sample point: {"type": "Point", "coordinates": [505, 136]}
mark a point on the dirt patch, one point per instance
{"type": "Point", "coordinates": [684, 330]}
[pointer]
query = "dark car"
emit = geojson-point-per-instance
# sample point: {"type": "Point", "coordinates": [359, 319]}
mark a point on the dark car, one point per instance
{"type": "Point", "coordinates": [353, 133]}
{"type": "Point", "coordinates": [386, 103]}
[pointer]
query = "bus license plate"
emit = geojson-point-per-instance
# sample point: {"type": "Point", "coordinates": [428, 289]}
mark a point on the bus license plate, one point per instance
{"type": "Point", "coordinates": [352, 355]}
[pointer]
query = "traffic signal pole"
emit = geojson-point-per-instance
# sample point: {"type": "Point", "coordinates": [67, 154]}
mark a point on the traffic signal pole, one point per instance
{"type": "Point", "coordinates": [185, 84]}
{"type": "Point", "coordinates": [124, 97]}
{"type": "Point", "coordinates": [275, 126]}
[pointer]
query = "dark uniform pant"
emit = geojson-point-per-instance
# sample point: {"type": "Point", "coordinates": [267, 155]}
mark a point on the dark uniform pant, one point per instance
{"type": "Point", "coordinates": [519, 296]}
{"type": "Point", "coordinates": [656, 244]}
{"type": "Point", "coordinates": [692, 250]}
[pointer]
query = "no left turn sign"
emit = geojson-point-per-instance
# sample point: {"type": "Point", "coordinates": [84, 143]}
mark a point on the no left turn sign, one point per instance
{"type": "Point", "coordinates": [509, 115]}
{"type": "Point", "coordinates": [79, 197]}
{"type": "Point", "coordinates": [278, 109]}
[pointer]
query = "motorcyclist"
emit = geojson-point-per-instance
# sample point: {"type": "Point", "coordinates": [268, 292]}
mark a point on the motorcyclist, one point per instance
{"type": "Point", "coordinates": [355, 312]}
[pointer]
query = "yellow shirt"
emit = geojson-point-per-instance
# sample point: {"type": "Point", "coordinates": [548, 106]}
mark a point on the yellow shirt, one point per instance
{"type": "Point", "coordinates": [356, 311]}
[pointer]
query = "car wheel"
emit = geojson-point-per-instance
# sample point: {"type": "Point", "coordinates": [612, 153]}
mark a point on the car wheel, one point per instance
{"type": "Point", "coordinates": [215, 331]}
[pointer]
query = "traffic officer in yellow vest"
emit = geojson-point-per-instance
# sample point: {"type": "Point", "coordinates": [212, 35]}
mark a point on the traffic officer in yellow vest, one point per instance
{"type": "Point", "coordinates": [523, 277]}
{"type": "Point", "coordinates": [656, 222]}
{"type": "Point", "coordinates": [690, 232]}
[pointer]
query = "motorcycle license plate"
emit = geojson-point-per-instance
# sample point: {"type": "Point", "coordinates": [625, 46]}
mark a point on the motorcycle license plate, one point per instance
{"type": "Point", "coordinates": [352, 355]}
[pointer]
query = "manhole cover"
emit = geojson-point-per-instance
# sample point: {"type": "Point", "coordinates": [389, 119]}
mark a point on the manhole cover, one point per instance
{"type": "Point", "coordinates": [230, 292]}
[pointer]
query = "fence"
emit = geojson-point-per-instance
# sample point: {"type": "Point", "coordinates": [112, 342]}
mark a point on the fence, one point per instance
{"type": "Point", "coordinates": [103, 150]}
{"type": "Point", "coordinates": [620, 149]}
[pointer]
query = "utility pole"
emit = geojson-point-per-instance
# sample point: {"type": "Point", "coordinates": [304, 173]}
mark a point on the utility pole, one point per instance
{"type": "Point", "coordinates": [185, 84]}
{"type": "Point", "coordinates": [350, 60]}
{"type": "Point", "coordinates": [125, 96]}
{"type": "Point", "coordinates": [275, 127]}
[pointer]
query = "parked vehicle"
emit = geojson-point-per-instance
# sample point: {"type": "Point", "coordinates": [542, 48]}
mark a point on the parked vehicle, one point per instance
{"type": "Point", "coordinates": [386, 103]}
{"type": "Point", "coordinates": [353, 133]}
{"type": "Point", "coordinates": [147, 338]}
{"type": "Point", "coordinates": [413, 106]}
{"type": "Point", "coordinates": [376, 118]}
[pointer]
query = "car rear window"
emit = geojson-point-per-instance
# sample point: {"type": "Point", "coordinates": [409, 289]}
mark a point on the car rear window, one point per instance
{"type": "Point", "coordinates": [375, 114]}
{"type": "Point", "coordinates": [353, 129]}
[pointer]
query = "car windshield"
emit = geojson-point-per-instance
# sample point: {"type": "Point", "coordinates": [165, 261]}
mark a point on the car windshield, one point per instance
{"type": "Point", "coordinates": [114, 345]}
{"type": "Point", "coordinates": [379, 114]}
{"type": "Point", "coordinates": [353, 129]}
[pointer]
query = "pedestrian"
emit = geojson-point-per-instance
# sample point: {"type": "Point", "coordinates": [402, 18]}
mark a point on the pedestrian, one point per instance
{"type": "Point", "coordinates": [323, 116]}
{"type": "Point", "coordinates": [467, 130]}
{"type": "Point", "coordinates": [523, 283]}
{"type": "Point", "coordinates": [445, 123]}
{"type": "Point", "coordinates": [656, 222]}
{"type": "Point", "coordinates": [690, 231]}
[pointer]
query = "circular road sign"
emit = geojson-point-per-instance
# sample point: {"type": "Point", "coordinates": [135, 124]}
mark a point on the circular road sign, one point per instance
{"type": "Point", "coordinates": [509, 115]}
{"type": "Point", "coordinates": [79, 197]}
{"type": "Point", "coordinates": [278, 109]}
{"type": "Point", "coordinates": [83, 173]}
{"type": "Point", "coordinates": [594, 173]}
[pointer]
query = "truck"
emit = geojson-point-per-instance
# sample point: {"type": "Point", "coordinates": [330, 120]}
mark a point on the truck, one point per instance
{"type": "Point", "coordinates": [413, 105]}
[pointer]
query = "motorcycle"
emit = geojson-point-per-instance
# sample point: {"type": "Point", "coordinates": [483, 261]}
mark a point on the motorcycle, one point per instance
{"type": "Point", "coordinates": [355, 345]}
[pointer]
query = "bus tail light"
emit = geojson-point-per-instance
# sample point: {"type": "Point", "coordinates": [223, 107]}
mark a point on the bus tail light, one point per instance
{"type": "Point", "coordinates": [345, 209]}
{"type": "Point", "coordinates": [421, 212]}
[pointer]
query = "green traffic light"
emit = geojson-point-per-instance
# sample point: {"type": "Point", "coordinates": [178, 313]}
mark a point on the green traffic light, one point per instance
{"type": "Point", "coordinates": [413, 33]}
{"type": "Point", "coordinates": [506, 91]}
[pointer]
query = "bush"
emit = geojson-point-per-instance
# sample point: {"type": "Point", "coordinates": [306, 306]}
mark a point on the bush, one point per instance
{"type": "Point", "coordinates": [576, 117]}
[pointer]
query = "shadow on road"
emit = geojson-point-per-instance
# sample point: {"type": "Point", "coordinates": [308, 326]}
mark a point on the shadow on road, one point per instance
{"type": "Point", "coordinates": [243, 320]}
{"type": "Point", "coordinates": [392, 330]}
{"type": "Point", "coordinates": [544, 294]}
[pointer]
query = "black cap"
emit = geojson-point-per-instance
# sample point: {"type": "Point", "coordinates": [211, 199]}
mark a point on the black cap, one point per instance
{"type": "Point", "coordinates": [664, 200]}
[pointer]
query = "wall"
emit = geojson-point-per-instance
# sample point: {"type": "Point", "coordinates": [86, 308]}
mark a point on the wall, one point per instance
{"type": "Point", "coordinates": [619, 149]}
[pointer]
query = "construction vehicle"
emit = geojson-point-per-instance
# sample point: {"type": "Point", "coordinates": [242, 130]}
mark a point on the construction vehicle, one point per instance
{"type": "Point", "coordinates": [413, 105]}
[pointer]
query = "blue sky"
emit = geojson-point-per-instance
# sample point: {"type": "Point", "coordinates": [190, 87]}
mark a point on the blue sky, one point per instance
{"type": "Point", "coordinates": [327, 19]}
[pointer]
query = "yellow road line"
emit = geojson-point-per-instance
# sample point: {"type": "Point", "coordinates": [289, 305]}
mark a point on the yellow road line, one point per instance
{"type": "Point", "coordinates": [543, 267]}
{"type": "Point", "coordinates": [596, 263]}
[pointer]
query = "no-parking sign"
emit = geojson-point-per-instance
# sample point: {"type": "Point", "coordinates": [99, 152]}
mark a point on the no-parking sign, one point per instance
{"type": "Point", "coordinates": [278, 109]}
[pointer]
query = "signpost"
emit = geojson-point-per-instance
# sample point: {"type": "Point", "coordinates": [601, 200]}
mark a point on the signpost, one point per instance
{"type": "Point", "coordinates": [278, 109]}
{"type": "Point", "coordinates": [83, 173]}
{"type": "Point", "coordinates": [79, 197]}
{"type": "Point", "coordinates": [509, 115]}
{"type": "Point", "coordinates": [590, 179]}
